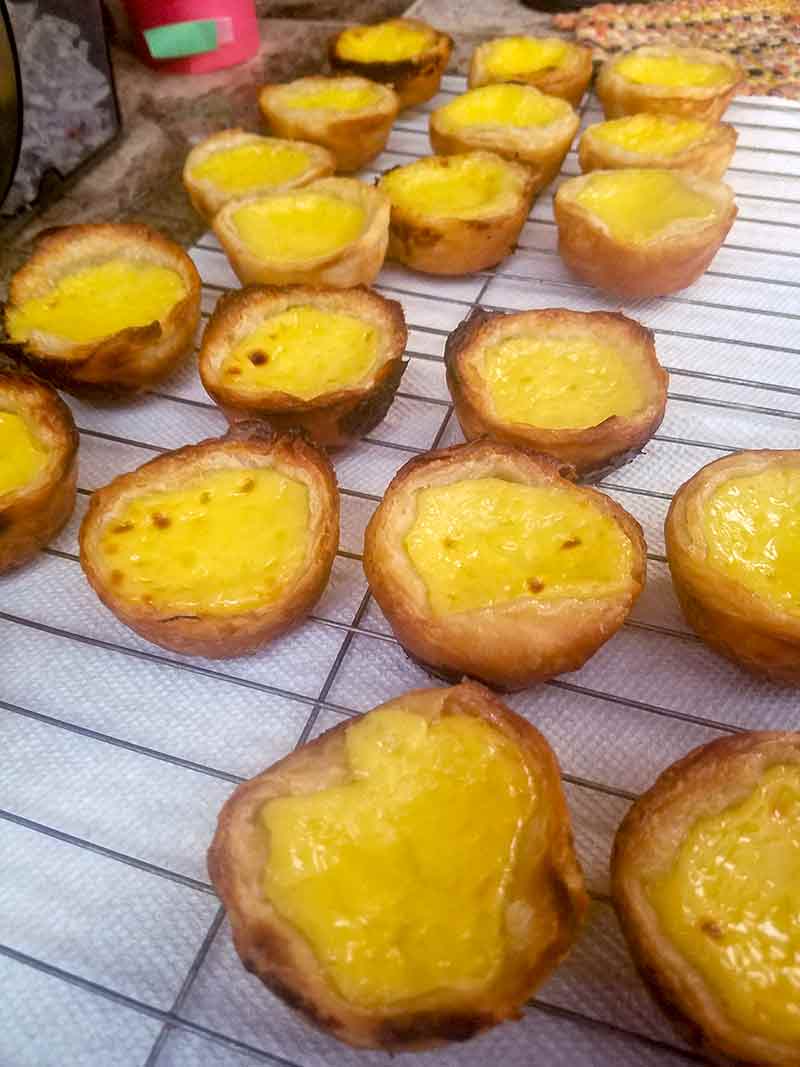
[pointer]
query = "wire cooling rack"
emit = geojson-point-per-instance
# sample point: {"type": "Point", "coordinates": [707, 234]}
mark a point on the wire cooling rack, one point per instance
{"type": "Point", "coordinates": [117, 755]}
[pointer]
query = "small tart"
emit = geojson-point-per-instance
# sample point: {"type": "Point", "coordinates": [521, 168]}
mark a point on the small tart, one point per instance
{"type": "Point", "coordinates": [456, 214]}
{"type": "Point", "coordinates": [233, 164]}
{"type": "Point", "coordinates": [663, 141]}
{"type": "Point", "coordinates": [639, 233]}
{"type": "Point", "coordinates": [704, 872]}
{"type": "Point", "coordinates": [691, 82]}
{"type": "Point", "coordinates": [325, 361]}
{"type": "Point", "coordinates": [105, 308]}
{"type": "Point", "coordinates": [38, 466]}
{"type": "Point", "coordinates": [216, 548]}
{"type": "Point", "coordinates": [550, 64]}
{"type": "Point", "coordinates": [733, 537]}
{"type": "Point", "coordinates": [407, 878]}
{"type": "Point", "coordinates": [515, 121]}
{"type": "Point", "coordinates": [585, 387]}
{"type": "Point", "coordinates": [487, 562]}
{"type": "Point", "coordinates": [332, 232]}
{"type": "Point", "coordinates": [407, 54]}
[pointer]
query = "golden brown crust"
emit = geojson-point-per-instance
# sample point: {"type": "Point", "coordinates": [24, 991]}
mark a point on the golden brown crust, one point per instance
{"type": "Point", "coordinates": [704, 783]}
{"type": "Point", "coordinates": [205, 634]}
{"type": "Point", "coordinates": [353, 137]}
{"type": "Point", "coordinates": [272, 949]}
{"type": "Point", "coordinates": [619, 96]}
{"type": "Point", "coordinates": [593, 451]}
{"type": "Point", "coordinates": [671, 261]}
{"type": "Point", "coordinates": [331, 419]}
{"type": "Point", "coordinates": [730, 618]}
{"type": "Point", "coordinates": [413, 80]}
{"type": "Point", "coordinates": [130, 360]}
{"type": "Point", "coordinates": [511, 645]}
{"type": "Point", "coordinates": [569, 79]}
{"type": "Point", "coordinates": [32, 515]}
{"type": "Point", "coordinates": [709, 157]}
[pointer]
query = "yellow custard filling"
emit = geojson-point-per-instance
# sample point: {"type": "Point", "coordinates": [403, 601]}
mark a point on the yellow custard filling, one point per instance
{"type": "Point", "coordinates": [487, 541]}
{"type": "Point", "coordinates": [304, 351]}
{"type": "Point", "coordinates": [565, 382]}
{"type": "Point", "coordinates": [298, 226]}
{"type": "Point", "coordinates": [22, 454]}
{"type": "Point", "coordinates": [729, 904]}
{"type": "Point", "coordinates": [333, 97]}
{"type": "Point", "coordinates": [672, 71]}
{"type": "Point", "coordinates": [465, 188]}
{"type": "Point", "coordinates": [387, 42]}
{"type": "Point", "coordinates": [524, 55]}
{"type": "Point", "coordinates": [398, 877]}
{"type": "Point", "coordinates": [651, 134]}
{"type": "Point", "coordinates": [99, 301]}
{"type": "Point", "coordinates": [226, 542]}
{"type": "Point", "coordinates": [638, 205]}
{"type": "Point", "coordinates": [252, 165]}
{"type": "Point", "coordinates": [504, 105]}
{"type": "Point", "coordinates": [752, 530]}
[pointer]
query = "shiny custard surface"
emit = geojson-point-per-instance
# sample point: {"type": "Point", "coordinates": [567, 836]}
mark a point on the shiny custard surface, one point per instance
{"type": "Point", "coordinates": [466, 188]}
{"type": "Point", "coordinates": [560, 382]}
{"type": "Point", "coordinates": [648, 134]}
{"type": "Point", "coordinates": [332, 97]}
{"type": "Point", "coordinates": [487, 541]}
{"type": "Point", "coordinates": [249, 166]}
{"type": "Point", "coordinates": [304, 351]}
{"type": "Point", "coordinates": [386, 42]}
{"type": "Point", "coordinates": [729, 904]}
{"type": "Point", "coordinates": [22, 455]}
{"type": "Point", "coordinates": [398, 877]}
{"type": "Point", "coordinates": [505, 105]}
{"type": "Point", "coordinates": [298, 226]}
{"type": "Point", "coordinates": [225, 542]}
{"type": "Point", "coordinates": [99, 301]}
{"type": "Point", "coordinates": [524, 55]}
{"type": "Point", "coordinates": [672, 71]}
{"type": "Point", "coordinates": [638, 205]}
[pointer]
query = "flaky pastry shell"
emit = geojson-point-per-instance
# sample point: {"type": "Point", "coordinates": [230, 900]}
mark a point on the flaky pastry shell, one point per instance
{"type": "Point", "coordinates": [568, 79]}
{"type": "Point", "coordinates": [708, 157]}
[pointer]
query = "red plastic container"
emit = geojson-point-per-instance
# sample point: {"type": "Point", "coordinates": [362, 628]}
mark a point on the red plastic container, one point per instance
{"type": "Point", "coordinates": [193, 36]}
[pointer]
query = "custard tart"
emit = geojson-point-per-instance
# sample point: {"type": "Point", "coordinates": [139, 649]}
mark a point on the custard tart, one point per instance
{"type": "Point", "coordinates": [486, 561]}
{"type": "Point", "coordinates": [216, 548]}
{"type": "Point", "coordinates": [327, 361]}
{"type": "Point", "coordinates": [349, 116]}
{"type": "Point", "coordinates": [332, 232]}
{"type": "Point", "coordinates": [103, 309]}
{"type": "Point", "coordinates": [557, 67]}
{"type": "Point", "coordinates": [38, 466]}
{"type": "Point", "coordinates": [705, 871]}
{"type": "Point", "coordinates": [408, 878]}
{"type": "Point", "coordinates": [691, 82]}
{"type": "Point", "coordinates": [640, 233]}
{"type": "Point", "coordinates": [456, 214]}
{"type": "Point", "coordinates": [515, 121]}
{"type": "Point", "coordinates": [733, 539]}
{"type": "Point", "coordinates": [585, 387]}
{"type": "Point", "coordinates": [407, 54]}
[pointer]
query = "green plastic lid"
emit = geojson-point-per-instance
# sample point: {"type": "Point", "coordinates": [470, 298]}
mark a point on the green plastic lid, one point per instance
{"type": "Point", "coordinates": [178, 39]}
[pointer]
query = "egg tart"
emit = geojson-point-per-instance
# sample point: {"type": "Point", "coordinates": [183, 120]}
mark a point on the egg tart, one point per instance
{"type": "Point", "coordinates": [705, 871]}
{"type": "Point", "coordinates": [233, 164]}
{"type": "Point", "coordinates": [550, 64]}
{"type": "Point", "coordinates": [733, 545]}
{"type": "Point", "coordinates": [456, 214]}
{"type": "Point", "coordinates": [38, 466]}
{"type": "Point", "coordinates": [326, 361]}
{"type": "Point", "coordinates": [691, 82]}
{"type": "Point", "coordinates": [408, 878]}
{"type": "Point", "coordinates": [216, 548]}
{"type": "Point", "coordinates": [104, 308]}
{"type": "Point", "coordinates": [488, 562]}
{"type": "Point", "coordinates": [585, 387]}
{"type": "Point", "coordinates": [407, 54]}
{"type": "Point", "coordinates": [640, 233]}
{"type": "Point", "coordinates": [515, 121]}
{"type": "Point", "coordinates": [332, 232]}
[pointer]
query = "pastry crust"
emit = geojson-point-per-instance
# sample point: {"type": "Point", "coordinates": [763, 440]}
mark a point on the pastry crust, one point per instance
{"type": "Point", "coordinates": [450, 245]}
{"type": "Point", "coordinates": [272, 949]}
{"type": "Point", "coordinates": [675, 258]}
{"type": "Point", "coordinates": [332, 419]}
{"type": "Point", "coordinates": [709, 157]}
{"type": "Point", "coordinates": [414, 80]}
{"type": "Point", "coordinates": [208, 198]}
{"type": "Point", "coordinates": [352, 137]}
{"type": "Point", "coordinates": [32, 515]}
{"type": "Point", "coordinates": [569, 79]}
{"type": "Point", "coordinates": [704, 783]}
{"type": "Point", "coordinates": [122, 363]}
{"type": "Point", "coordinates": [619, 96]}
{"type": "Point", "coordinates": [510, 645]}
{"type": "Point", "coordinates": [593, 451]}
{"type": "Point", "coordinates": [732, 619]}
{"type": "Point", "coordinates": [357, 263]}
{"type": "Point", "coordinates": [245, 447]}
